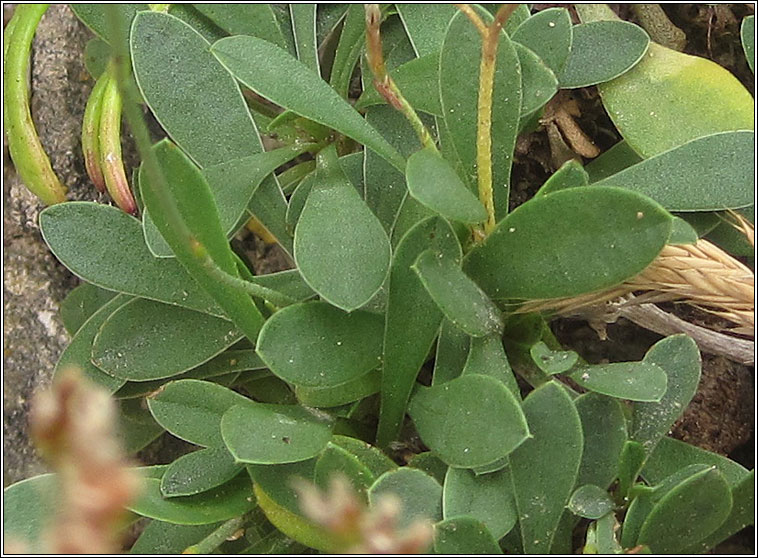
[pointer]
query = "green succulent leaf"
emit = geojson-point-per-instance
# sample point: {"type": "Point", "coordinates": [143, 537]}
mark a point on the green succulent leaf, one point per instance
{"type": "Point", "coordinates": [80, 304]}
{"type": "Point", "coordinates": [459, 298]}
{"type": "Point", "coordinates": [137, 427]}
{"type": "Point", "coordinates": [426, 25]}
{"type": "Point", "coordinates": [412, 321]}
{"type": "Point", "coordinates": [304, 28]}
{"type": "Point", "coordinates": [570, 175]}
{"type": "Point", "coordinates": [605, 433]}
{"type": "Point", "coordinates": [259, 65]}
{"type": "Point", "coordinates": [434, 183]}
{"type": "Point", "coordinates": [671, 455]}
{"type": "Point", "coordinates": [192, 410]}
{"type": "Point", "coordinates": [335, 461]}
{"type": "Point", "coordinates": [258, 20]}
{"type": "Point", "coordinates": [708, 173]}
{"type": "Point", "coordinates": [78, 353]}
{"type": "Point", "coordinates": [30, 501]}
{"type": "Point", "coordinates": [487, 498]}
{"type": "Point", "coordinates": [198, 472]}
{"type": "Point", "coordinates": [419, 494]}
{"type": "Point", "coordinates": [337, 231]}
{"type": "Point", "coordinates": [679, 357]}
{"type": "Point", "coordinates": [95, 16]}
{"type": "Point", "coordinates": [333, 396]}
{"type": "Point", "coordinates": [602, 51]}
{"type": "Point", "coordinates": [160, 537]}
{"type": "Point", "coordinates": [452, 353]}
{"type": "Point", "coordinates": [145, 340]}
{"type": "Point", "coordinates": [431, 464]}
{"type": "Point", "coordinates": [548, 34]}
{"type": "Point", "coordinates": [590, 501]}
{"type": "Point", "coordinates": [464, 535]}
{"type": "Point", "coordinates": [747, 34]}
{"type": "Point", "coordinates": [552, 362]}
{"type": "Point", "coordinates": [538, 82]}
{"type": "Point", "coordinates": [263, 433]}
{"type": "Point", "coordinates": [636, 381]}
{"type": "Point", "coordinates": [648, 104]}
{"type": "Point", "coordinates": [229, 500]}
{"type": "Point", "coordinates": [370, 456]}
{"type": "Point", "coordinates": [544, 468]}
{"type": "Point", "coordinates": [688, 513]}
{"type": "Point", "coordinates": [67, 229]}
{"type": "Point", "coordinates": [486, 356]}
{"type": "Point", "coordinates": [317, 345]}
{"type": "Point", "coordinates": [452, 420]}
{"type": "Point", "coordinates": [538, 251]}
{"type": "Point", "coordinates": [348, 49]}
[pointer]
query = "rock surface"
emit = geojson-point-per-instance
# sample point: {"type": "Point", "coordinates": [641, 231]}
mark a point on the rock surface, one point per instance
{"type": "Point", "coordinates": [34, 282]}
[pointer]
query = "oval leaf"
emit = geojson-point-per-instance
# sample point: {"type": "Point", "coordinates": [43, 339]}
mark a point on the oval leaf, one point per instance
{"type": "Point", "coordinates": [269, 434]}
{"type": "Point", "coordinates": [601, 51]}
{"type": "Point", "coordinates": [192, 410]}
{"type": "Point", "coordinates": [260, 65]}
{"type": "Point", "coordinates": [198, 472]}
{"type": "Point", "coordinates": [28, 502]}
{"type": "Point", "coordinates": [544, 467]}
{"type": "Point", "coordinates": [590, 501]}
{"type": "Point", "coordinates": [317, 345]}
{"type": "Point", "coordinates": [636, 381]}
{"type": "Point", "coordinates": [549, 34]}
{"type": "Point", "coordinates": [650, 104]}
{"type": "Point", "coordinates": [487, 498]}
{"type": "Point", "coordinates": [605, 432]}
{"type": "Point", "coordinates": [538, 82]}
{"type": "Point", "coordinates": [160, 537]}
{"type": "Point", "coordinates": [419, 494]}
{"type": "Point", "coordinates": [333, 396]}
{"type": "Point", "coordinates": [688, 513]}
{"type": "Point", "coordinates": [453, 418]}
{"type": "Point", "coordinates": [117, 258]}
{"type": "Point", "coordinates": [464, 535]}
{"type": "Point", "coordinates": [80, 304]}
{"type": "Point", "coordinates": [709, 173]}
{"type": "Point", "coordinates": [747, 34]}
{"type": "Point", "coordinates": [146, 340]}
{"type": "Point", "coordinates": [552, 362]}
{"type": "Point", "coordinates": [433, 182]}
{"type": "Point", "coordinates": [541, 251]}
{"type": "Point", "coordinates": [337, 231]}
{"type": "Point", "coordinates": [232, 499]}
{"type": "Point", "coordinates": [459, 298]}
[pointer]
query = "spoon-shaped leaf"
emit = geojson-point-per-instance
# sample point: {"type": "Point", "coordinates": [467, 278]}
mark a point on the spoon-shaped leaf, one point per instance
{"type": "Point", "coordinates": [552, 362]}
{"type": "Point", "coordinates": [590, 501]}
{"type": "Point", "coordinates": [747, 34]}
{"type": "Point", "coordinates": [570, 175]}
{"type": "Point", "coordinates": [419, 494]}
{"type": "Point", "coordinates": [453, 418]}
{"type": "Point", "coordinates": [486, 356]}
{"type": "Point", "coordinates": [337, 231]}
{"type": "Point", "coordinates": [538, 82]}
{"type": "Point", "coordinates": [433, 182]}
{"type": "Point", "coordinates": [67, 229]}
{"type": "Point", "coordinates": [417, 79]}
{"type": "Point", "coordinates": [462, 302]}
{"type": "Point", "coordinates": [601, 51]}
{"type": "Point", "coordinates": [709, 173]}
{"type": "Point", "coordinates": [245, 19]}
{"type": "Point", "coordinates": [146, 340]}
{"type": "Point", "coordinates": [160, 537]}
{"type": "Point", "coordinates": [225, 502]}
{"type": "Point", "coordinates": [80, 303]}
{"type": "Point", "coordinates": [549, 34]}
{"type": "Point", "coordinates": [266, 434]}
{"type": "Point", "coordinates": [192, 410]}
{"type": "Point", "coordinates": [637, 381]}
{"type": "Point", "coordinates": [679, 357]}
{"type": "Point", "coordinates": [464, 535]}
{"type": "Point", "coordinates": [317, 345]}
{"type": "Point", "coordinates": [569, 242]}
{"type": "Point", "coordinates": [260, 65]}
{"type": "Point", "coordinates": [488, 498]}
{"type": "Point", "coordinates": [426, 25]}
{"type": "Point", "coordinates": [198, 472]}
{"type": "Point", "coordinates": [544, 468]}
{"type": "Point", "coordinates": [605, 432]}
{"type": "Point", "coordinates": [412, 321]}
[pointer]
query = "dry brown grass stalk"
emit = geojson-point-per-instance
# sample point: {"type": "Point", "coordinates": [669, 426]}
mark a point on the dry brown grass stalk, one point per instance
{"type": "Point", "coordinates": [700, 274]}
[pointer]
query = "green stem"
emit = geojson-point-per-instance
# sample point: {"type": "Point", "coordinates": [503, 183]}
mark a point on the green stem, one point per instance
{"type": "Point", "coordinates": [217, 537]}
{"type": "Point", "coordinates": [111, 160]}
{"type": "Point", "coordinates": [382, 80]}
{"type": "Point", "coordinates": [26, 150]}
{"type": "Point", "coordinates": [91, 133]}
{"type": "Point", "coordinates": [655, 21]}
